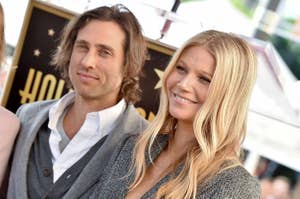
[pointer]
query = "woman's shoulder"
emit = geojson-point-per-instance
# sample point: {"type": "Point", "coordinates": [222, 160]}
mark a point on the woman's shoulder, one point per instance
{"type": "Point", "coordinates": [239, 176]}
{"type": "Point", "coordinates": [115, 178]}
{"type": "Point", "coordinates": [129, 142]}
{"type": "Point", "coordinates": [124, 148]}
{"type": "Point", "coordinates": [9, 121]}
{"type": "Point", "coordinates": [235, 182]}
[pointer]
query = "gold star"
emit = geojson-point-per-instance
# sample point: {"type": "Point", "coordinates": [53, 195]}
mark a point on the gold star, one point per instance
{"type": "Point", "coordinates": [160, 75]}
{"type": "Point", "coordinates": [36, 52]}
{"type": "Point", "coordinates": [51, 32]}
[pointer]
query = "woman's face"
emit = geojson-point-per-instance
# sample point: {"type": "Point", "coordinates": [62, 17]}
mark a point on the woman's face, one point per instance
{"type": "Point", "coordinates": [188, 83]}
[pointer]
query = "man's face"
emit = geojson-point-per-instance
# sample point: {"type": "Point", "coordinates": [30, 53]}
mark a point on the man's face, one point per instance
{"type": "Point", "coordinates": [96, 63]}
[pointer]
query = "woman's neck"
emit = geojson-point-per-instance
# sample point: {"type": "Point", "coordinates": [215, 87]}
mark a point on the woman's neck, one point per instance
{"type": "Point", "coordinates": [183, 139]}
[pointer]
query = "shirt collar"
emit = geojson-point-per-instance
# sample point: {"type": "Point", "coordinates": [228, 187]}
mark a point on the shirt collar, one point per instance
{"type": "Point", "coordinates": [107, 117]}
{"type": "Point", "coordinates": [58, 108]}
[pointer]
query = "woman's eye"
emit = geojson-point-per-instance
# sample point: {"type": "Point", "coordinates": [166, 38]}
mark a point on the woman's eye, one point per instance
{"type": "Point", "coordinates": [180, 69]}
{"type": "Point", "coordinates": [204, 79]}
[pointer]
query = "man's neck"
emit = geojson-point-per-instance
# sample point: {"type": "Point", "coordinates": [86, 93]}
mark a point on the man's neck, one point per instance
{"type": "Point", "coordinates": [77, 112]}
{"type": "Point", "coordinates": [73, 120]}
{"type": "Point", "coordinates": [91, 105]}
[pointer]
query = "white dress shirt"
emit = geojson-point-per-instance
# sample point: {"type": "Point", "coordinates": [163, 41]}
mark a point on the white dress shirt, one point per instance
{"type": "Point", "coordinates": [95, 127]}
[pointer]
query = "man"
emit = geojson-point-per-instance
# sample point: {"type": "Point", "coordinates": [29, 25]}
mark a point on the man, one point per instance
{"type": "Point", "coordinates": [64, 145]}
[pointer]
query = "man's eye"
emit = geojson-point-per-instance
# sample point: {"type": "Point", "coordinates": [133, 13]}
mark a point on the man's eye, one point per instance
{"type": "Point", "coordinates": [105, 53]}
{"type": "Point", "coordinates": [81, 47]}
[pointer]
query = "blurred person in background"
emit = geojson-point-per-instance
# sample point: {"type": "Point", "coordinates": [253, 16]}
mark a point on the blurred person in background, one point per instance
{"type": "Point", "coordinates": [296, 190]}
{"type": "Point", "coordinates": [266, 185]}
{"type": "Point", "coordinates": [281, 188]}
{"type": "Point", "coordinates": [276, 188]}
{"type": "Point", "coordinates": [9, 123]}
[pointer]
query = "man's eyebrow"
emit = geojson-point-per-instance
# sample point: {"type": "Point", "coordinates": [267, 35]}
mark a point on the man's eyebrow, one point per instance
{"type": "Point", "coordinates": [103, 46]}
{"type": "Point", "coordinates": [81, 42]}
{"type": "Point", "coordinates": [98, 46]}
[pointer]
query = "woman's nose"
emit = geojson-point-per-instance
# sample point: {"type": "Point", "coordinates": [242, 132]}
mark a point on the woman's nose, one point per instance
{"type": "Point", "coordinates": [185, 83]}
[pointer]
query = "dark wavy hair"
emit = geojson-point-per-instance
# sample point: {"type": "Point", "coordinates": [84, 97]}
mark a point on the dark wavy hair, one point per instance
{"type": "Point", "coordinates": [135, 47]}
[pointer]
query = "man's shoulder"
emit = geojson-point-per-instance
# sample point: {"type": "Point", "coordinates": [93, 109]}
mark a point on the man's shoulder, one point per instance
{"type": "Point", "coordinates": [37, 104]}
{"type": "Point", "coordinates": [40, 103]}
{"type": "Point", "coordinates": [131, 111]}
{"type": "Point", "coordinates": [131, 114]}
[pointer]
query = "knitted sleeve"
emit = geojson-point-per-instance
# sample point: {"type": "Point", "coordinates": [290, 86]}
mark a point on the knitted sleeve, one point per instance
{"type": "Point", "coordinates": [233, 183]}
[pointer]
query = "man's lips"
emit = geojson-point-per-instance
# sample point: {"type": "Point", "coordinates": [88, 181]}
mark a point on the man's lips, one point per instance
{"type": "Point", "coordinates": [87, 75]}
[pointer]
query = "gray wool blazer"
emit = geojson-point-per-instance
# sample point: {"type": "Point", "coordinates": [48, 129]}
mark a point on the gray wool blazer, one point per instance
{"type": "Point", "coordinates": [33, 115]}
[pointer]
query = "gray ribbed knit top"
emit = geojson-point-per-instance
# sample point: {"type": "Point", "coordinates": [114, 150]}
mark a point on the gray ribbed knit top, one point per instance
{"type": "Point", "coordinates": [233, 183]}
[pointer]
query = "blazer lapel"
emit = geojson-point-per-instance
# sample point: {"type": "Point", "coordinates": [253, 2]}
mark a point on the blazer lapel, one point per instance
{"type": "Point", "coordinates": [94, 169]}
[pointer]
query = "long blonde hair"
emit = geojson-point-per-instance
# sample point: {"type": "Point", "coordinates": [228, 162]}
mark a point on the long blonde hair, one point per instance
{"type": "Point", "coordinates": [2, 40]}
{"type": "Point", "coordinates": [220, 124]}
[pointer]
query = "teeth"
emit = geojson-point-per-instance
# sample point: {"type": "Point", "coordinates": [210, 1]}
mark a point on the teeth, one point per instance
{"type": "Point", "coordinates": [183, 99]}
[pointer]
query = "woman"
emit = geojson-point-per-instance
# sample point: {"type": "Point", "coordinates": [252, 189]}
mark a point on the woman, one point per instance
{"type": "Point", "coordinates": [9, 123]}
{"type": "Point", "coordinates": [192, 147]}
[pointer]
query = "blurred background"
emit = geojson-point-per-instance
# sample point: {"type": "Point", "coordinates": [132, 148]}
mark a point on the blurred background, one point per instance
{"type": "Point", "coordinates": [272, 145]}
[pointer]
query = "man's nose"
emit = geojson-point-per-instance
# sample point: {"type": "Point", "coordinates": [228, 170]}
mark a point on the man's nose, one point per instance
{"type": "Point", "coordinates": [89, 59]}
